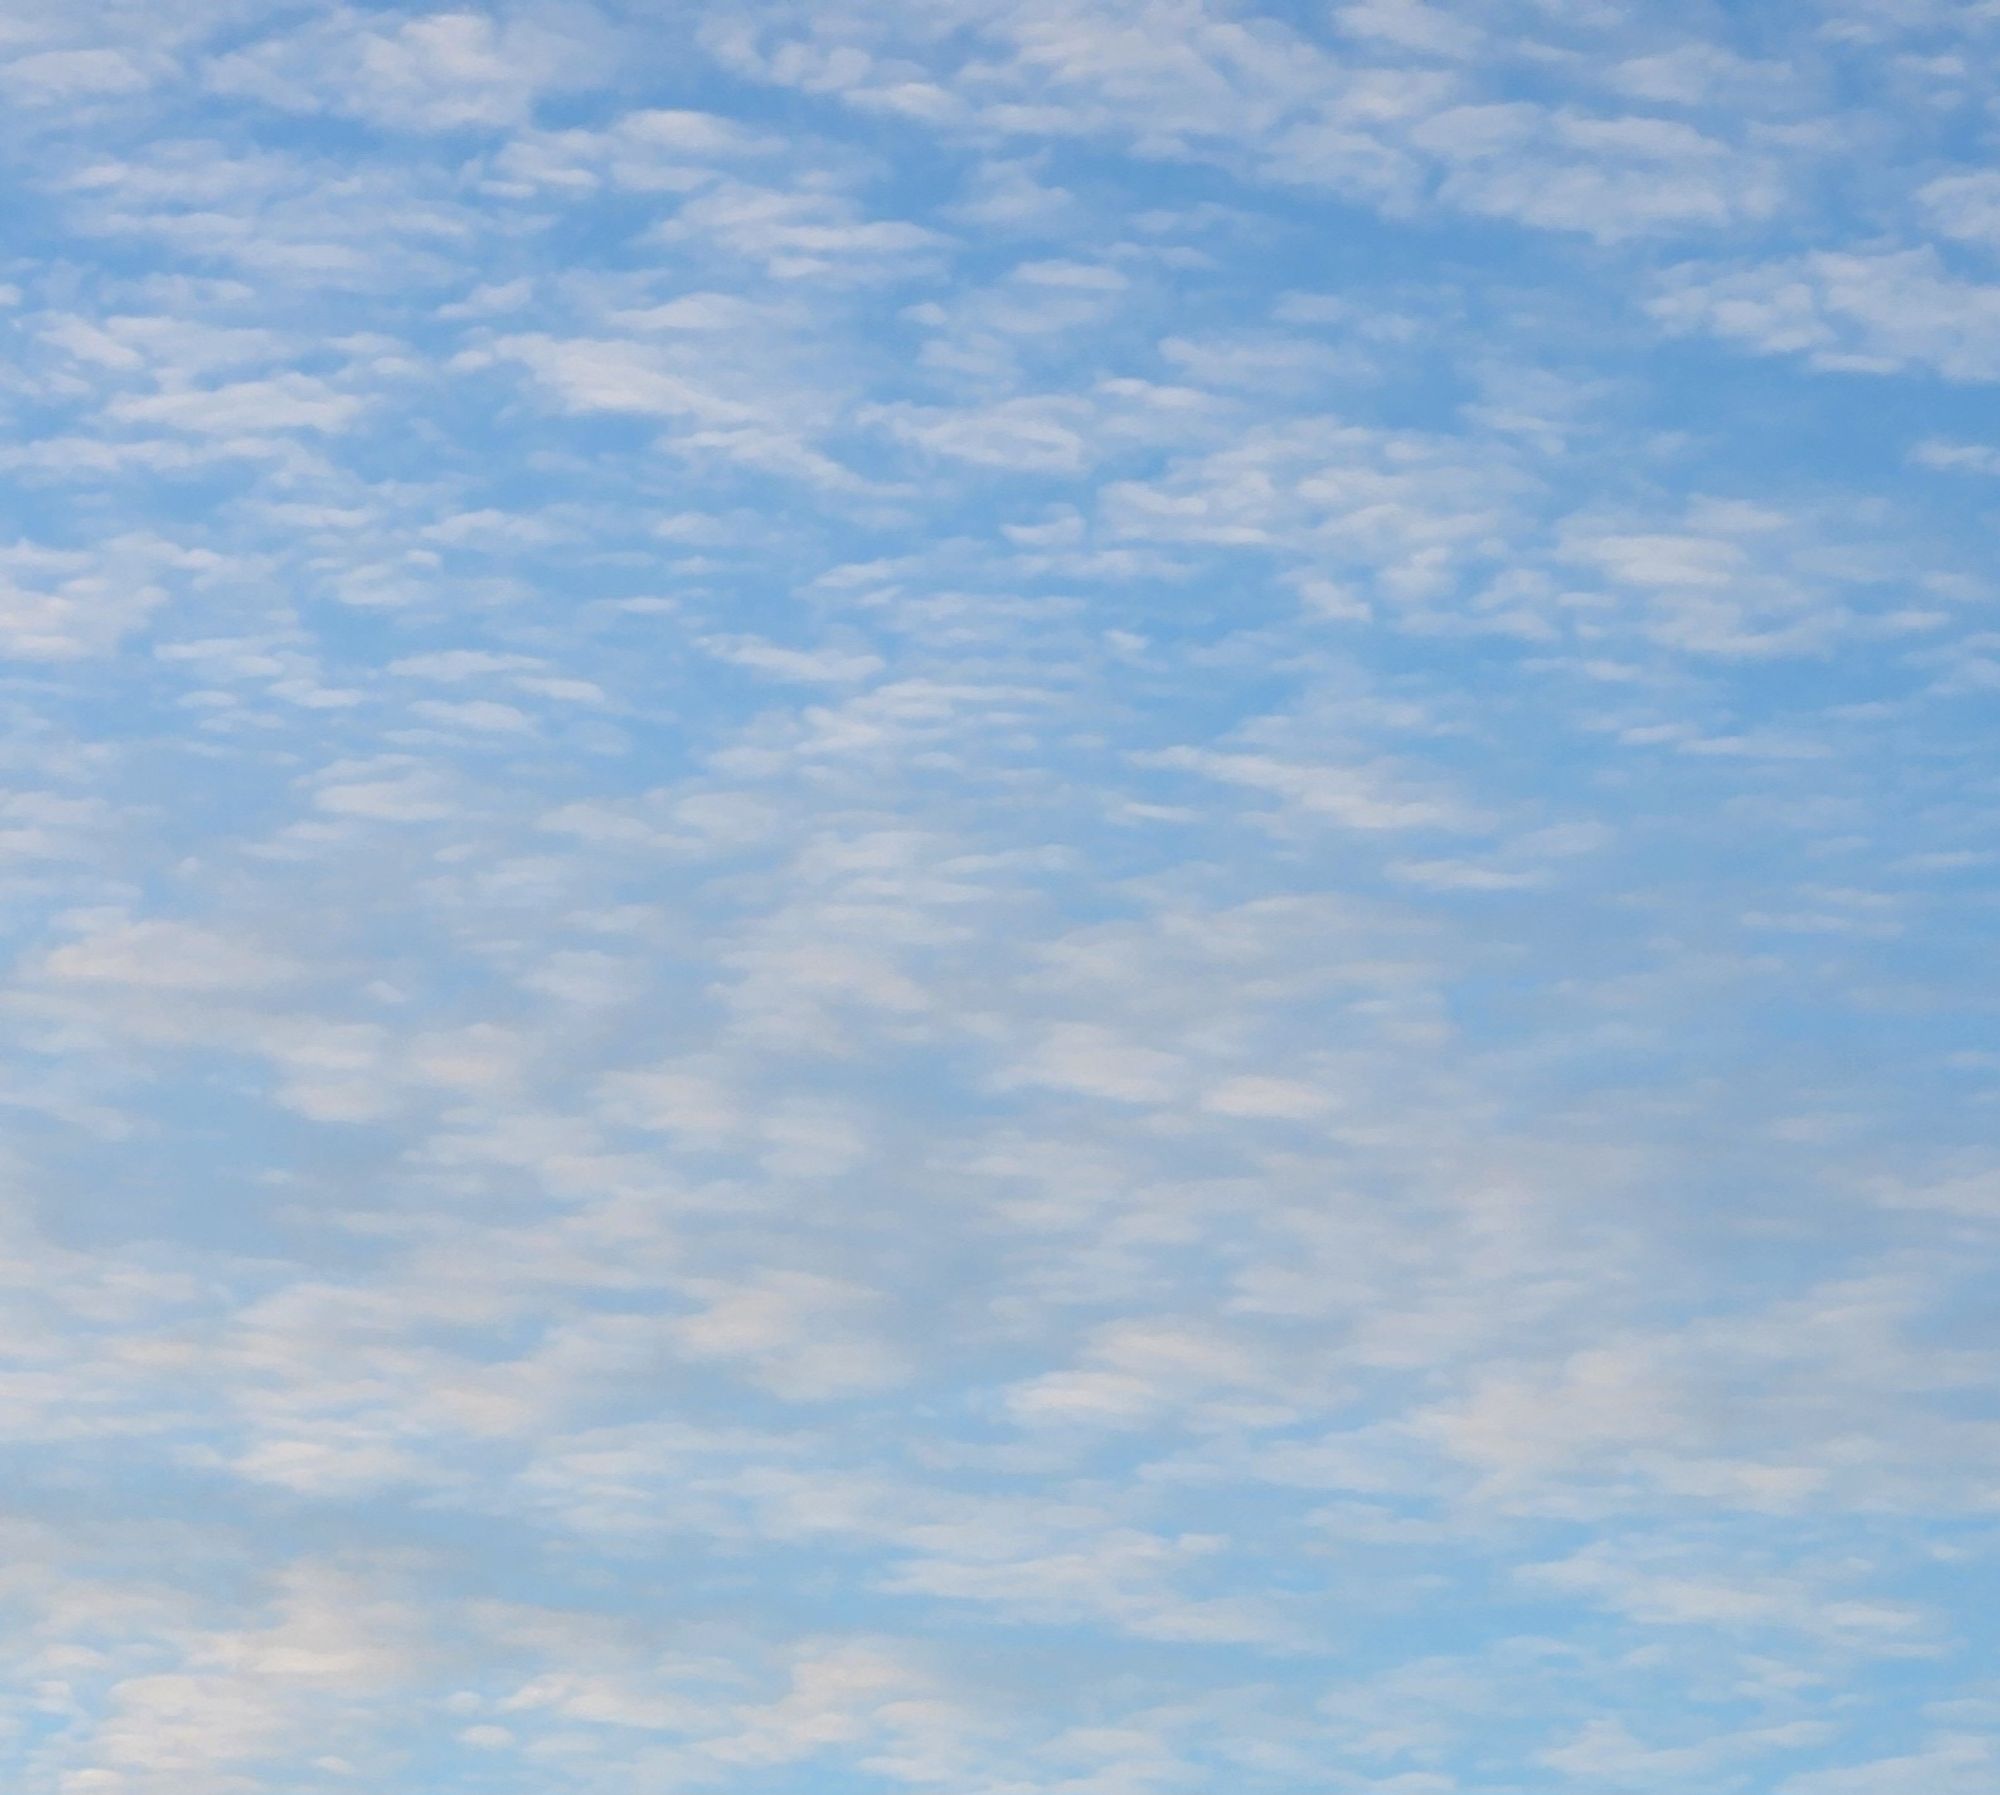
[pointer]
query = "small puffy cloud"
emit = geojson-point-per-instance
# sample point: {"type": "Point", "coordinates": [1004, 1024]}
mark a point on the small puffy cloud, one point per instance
{"type": "Point", "coordinates": [1871, 312]}
{"type": "Point", "coordinates": [165, 956]}
{"type": "Point", "coordinates": [286, 402]}
{"type": "Point", "coordinates": [801, 1336]}
{"type": "Point", "coordinates": [1607, 177]}
{"type": "Point", "coordinates": [65, 77]}
{"type": "Point", "coordinates": [442, 71]}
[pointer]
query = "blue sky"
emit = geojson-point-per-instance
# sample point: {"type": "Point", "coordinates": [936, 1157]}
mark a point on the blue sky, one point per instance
{"type": "Point", "coordinates": [1028, 899]}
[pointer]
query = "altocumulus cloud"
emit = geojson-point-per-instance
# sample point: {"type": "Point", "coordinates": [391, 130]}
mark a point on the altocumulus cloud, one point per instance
{"type": "Point", "coordinates": [1011, 899]}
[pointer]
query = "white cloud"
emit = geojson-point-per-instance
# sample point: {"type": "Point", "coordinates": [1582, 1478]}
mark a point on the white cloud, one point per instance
{"type": "Point", "coordinates": [1871, 312]}
{"type": "Point", "coordinates": [442, 71]}
{"type": "Point", "coordinates": [63, 77]}
{"type": "Point", "coordinates": [164, 956]}
{"type": "Point", "coordinates": [288, 402]}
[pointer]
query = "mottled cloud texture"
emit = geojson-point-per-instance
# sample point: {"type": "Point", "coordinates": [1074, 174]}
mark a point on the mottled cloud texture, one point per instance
{"type": "Point", "coordinates": [1083, 898]}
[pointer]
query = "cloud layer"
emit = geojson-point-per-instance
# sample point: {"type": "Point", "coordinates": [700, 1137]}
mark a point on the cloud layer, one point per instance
{"type": "Point", "coordinates": [1027, 899]}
